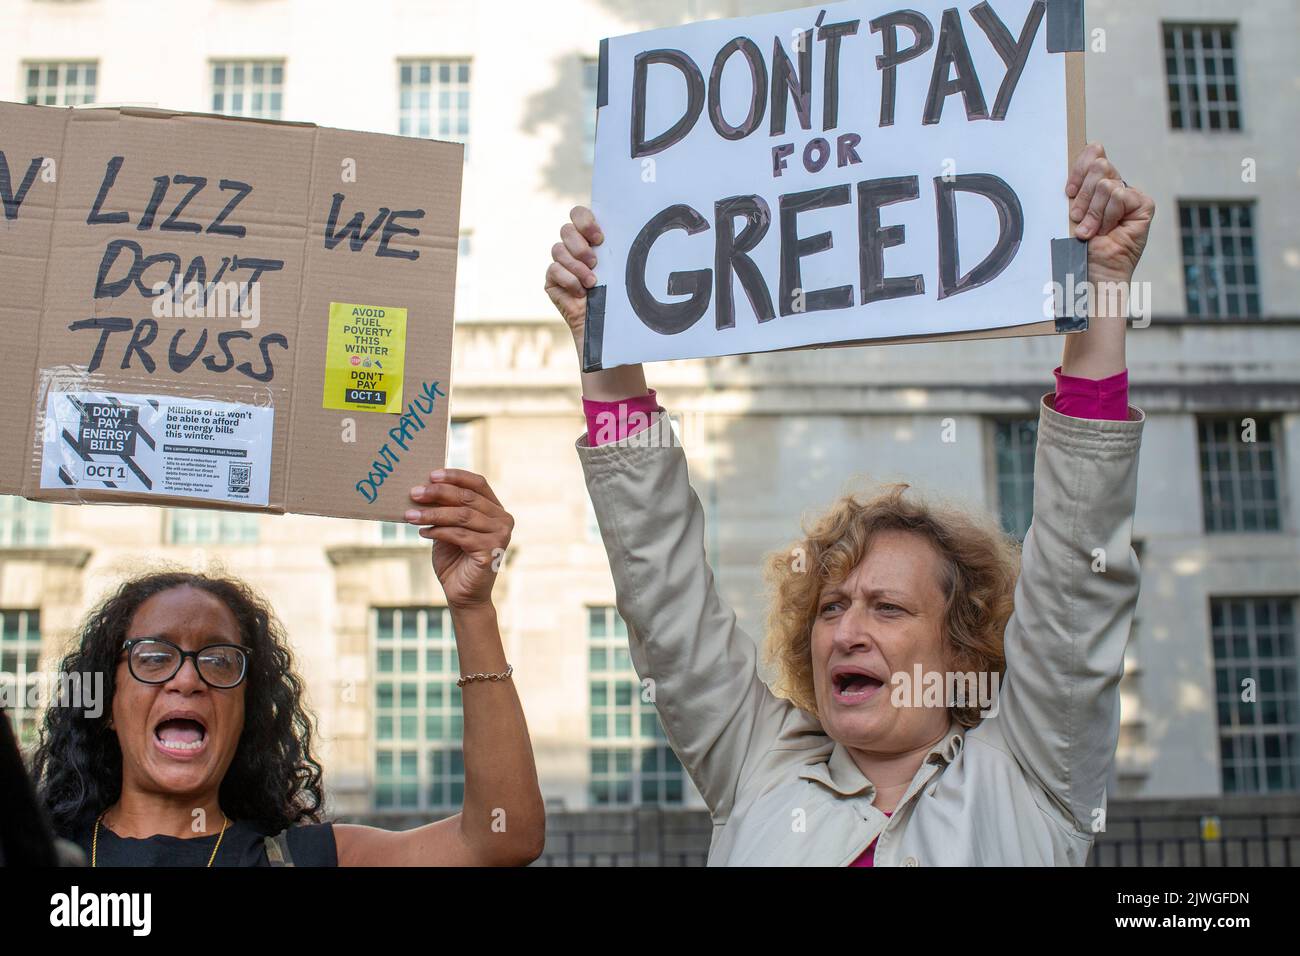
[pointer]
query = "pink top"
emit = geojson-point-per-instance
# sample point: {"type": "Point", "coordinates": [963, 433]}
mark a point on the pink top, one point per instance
{"type": "Point", "coordinates": [1104, 399]}
{"type": "Point", "coordinates": [614, 421]}
{"type": "Point", "coordinates": [868, 856]}
{"type": "Point", "coordinates": [1099, 399]}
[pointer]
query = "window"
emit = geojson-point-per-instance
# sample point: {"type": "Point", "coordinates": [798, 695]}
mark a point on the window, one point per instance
{"type": "Point", "coordinates": [70, 83]}
{"type": "Point", "coordinates": [193, 526]}
{"type": "Point", "coordinates": [590, 78]}
{"type": "Point", "coordinates": [252, 88]}
{"type": "Point", "coordinates": [418, 721]}
{"type": "Point", "coordinates": [1219, 272]}
{"type": "Point", "coordinates": [20, 656]}
{"type": "Point", "coordinates": [1239, 474]}
{"type": "Point", "coordinates": [460, 454]}
{"type": "Point", "coordinates": [23, 523]}
{"type": "Point", "coordinates": [435, 99]}
{"type": "Point", "coordinates": [1201, 73]}
{"type": "Point", "coordinates": [1257, 693]}
{"type": "Point", "coordinates": [630, 761]}
{"type": "Point", "coordinates": [1014, 442]}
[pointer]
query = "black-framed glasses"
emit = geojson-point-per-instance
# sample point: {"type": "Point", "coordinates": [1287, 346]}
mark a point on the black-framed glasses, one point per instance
{"type": "Point", "coordinates": [153, 660]}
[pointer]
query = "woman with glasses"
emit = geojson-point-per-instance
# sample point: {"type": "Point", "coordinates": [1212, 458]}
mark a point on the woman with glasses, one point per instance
{"type": "Point", "coordinates": [202, 753]}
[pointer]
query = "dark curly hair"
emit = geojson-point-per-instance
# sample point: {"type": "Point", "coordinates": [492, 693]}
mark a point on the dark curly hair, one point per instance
{"type": "Point", "coordinates": [274, 780]}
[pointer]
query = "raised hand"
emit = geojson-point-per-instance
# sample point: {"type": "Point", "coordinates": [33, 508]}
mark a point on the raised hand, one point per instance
{"type": "Point", "coordinates": [1113, 217]}
{"type": "Point", "coordinates": [470, 531]}
{"type": "Point", "coordinates": [570, 274]}
{"type": "Point", "coordinates": [568, 278]}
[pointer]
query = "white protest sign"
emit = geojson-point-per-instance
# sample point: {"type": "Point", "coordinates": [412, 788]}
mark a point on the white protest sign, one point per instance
{"type": "Point", "coordinates": [841, 173]}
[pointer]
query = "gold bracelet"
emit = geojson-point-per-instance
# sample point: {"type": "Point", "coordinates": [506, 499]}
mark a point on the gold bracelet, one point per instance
{"type": "Point", "coordinates": [510, 669]}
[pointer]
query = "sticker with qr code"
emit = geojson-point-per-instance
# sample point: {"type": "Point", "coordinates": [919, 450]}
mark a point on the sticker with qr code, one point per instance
{"type": "Point", "coordinates": [157, 444]}
{"type": "Point", "coordinates": [239, 479]}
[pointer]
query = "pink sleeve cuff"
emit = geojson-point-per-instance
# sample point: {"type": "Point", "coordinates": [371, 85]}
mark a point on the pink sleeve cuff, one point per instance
{"type": "Point", "coordinates": [613, 421]}
{"type": "Point", "coordinates": [1103, 399]}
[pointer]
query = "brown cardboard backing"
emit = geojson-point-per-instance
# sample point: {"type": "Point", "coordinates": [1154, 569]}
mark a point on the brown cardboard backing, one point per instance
{"type": "Point", "coordinates": [50, 257]}
{"type": "Point", "coordinates": [317, 454]}
{"type": "Point", "coordinates": [25, 136]}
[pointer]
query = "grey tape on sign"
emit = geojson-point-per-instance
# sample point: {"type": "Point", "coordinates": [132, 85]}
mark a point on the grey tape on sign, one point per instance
{"type": "Point", "coordinates": [1069, 272]}
{"type": "Point", "coordinates": [594, 330]}
{"type": "Point", "coordinates": [1065, 30]}
{"type": "Point", "coordinates": [602, 75]}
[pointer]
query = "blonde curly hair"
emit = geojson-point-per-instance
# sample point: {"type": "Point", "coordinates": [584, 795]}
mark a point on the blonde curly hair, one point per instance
{"type": "Point", "coordinates": [980, 564]}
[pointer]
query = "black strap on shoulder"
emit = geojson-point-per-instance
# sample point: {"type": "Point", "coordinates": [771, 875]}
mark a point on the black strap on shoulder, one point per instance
{"type": "Point", "coordinates": [277, 849]}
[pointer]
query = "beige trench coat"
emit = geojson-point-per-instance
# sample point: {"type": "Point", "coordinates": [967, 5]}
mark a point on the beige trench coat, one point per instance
{"type": "Point", "coordinates": [1025, 787]}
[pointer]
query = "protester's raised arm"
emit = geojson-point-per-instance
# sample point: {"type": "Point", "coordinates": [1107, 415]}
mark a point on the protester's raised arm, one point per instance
{"type": "Point", "coordinates": [694, 660]}
{"type": "Point", "coordinates": [683, 637]}
{"type": "Point", "coordinates": [1058, 710]}
{"type": "Point", "coordinates": [502, 821]}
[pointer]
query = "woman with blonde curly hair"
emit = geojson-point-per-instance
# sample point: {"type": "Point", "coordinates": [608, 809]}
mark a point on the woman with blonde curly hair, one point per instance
{"type": "Point", "coordinates": [845, 763]}
{"type": "Point", "coordinates": [975, 567]}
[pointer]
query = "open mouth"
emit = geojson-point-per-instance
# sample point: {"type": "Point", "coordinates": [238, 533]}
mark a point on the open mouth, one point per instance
{"type": "Point", "coordinates": [854, 687]}
{"type": "Point", "coordinates": [180, 735]}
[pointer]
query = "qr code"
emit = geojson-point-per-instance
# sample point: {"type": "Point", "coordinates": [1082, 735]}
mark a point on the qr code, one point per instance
{"type": "Point", "coordinates": [240, 478]}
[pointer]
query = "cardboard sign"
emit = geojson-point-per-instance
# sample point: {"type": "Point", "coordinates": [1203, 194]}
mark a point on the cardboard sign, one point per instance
{"type": "Point", "coordinates": [845, 173]}
{"type": "Point", "coordinates": [215, 312]}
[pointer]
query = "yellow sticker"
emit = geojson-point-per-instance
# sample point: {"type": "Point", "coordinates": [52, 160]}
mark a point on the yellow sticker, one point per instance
{"type": "Point", "coordinates": [364, 357]}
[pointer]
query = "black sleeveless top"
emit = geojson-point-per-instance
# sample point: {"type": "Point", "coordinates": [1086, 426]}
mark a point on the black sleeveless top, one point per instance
{"type": "Point", "coordinates": [243, 845]}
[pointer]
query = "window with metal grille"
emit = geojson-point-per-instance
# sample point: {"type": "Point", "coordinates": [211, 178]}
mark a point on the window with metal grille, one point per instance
{"type": "Point", "coordinates": [252, 88]}
{"type": "Point", "coordinates": [1014, 442]}
{"type": "Point", "coordinates": [1239, 474]}
{"type": "Point", "coordinates": [434, 99]}
{"type": "Point", "coordinates": [418, 719]}
{"type": "Point", "coordinates": [1220, 277]}
{"type": "Point", "coordinates": [20, 657]}
{"type": "Point", "coordinates": [1257, 693]}
{"type": "Point", "coordinates": [61, 83]}
{"type": "Point", "coordinates": [631, 763]}
{"type": "Point", "coordinates": [1201, 76]}
{"type": "Point", "coordinates": [23, 523]}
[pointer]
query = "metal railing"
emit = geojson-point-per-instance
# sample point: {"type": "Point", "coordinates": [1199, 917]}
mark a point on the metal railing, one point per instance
{"type": "Point", "coordinates": [643, 837]}
{"type": "Point", "coordinates": [671, 837]}
{"type": "Point", "coordinates": [1233, 839]}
